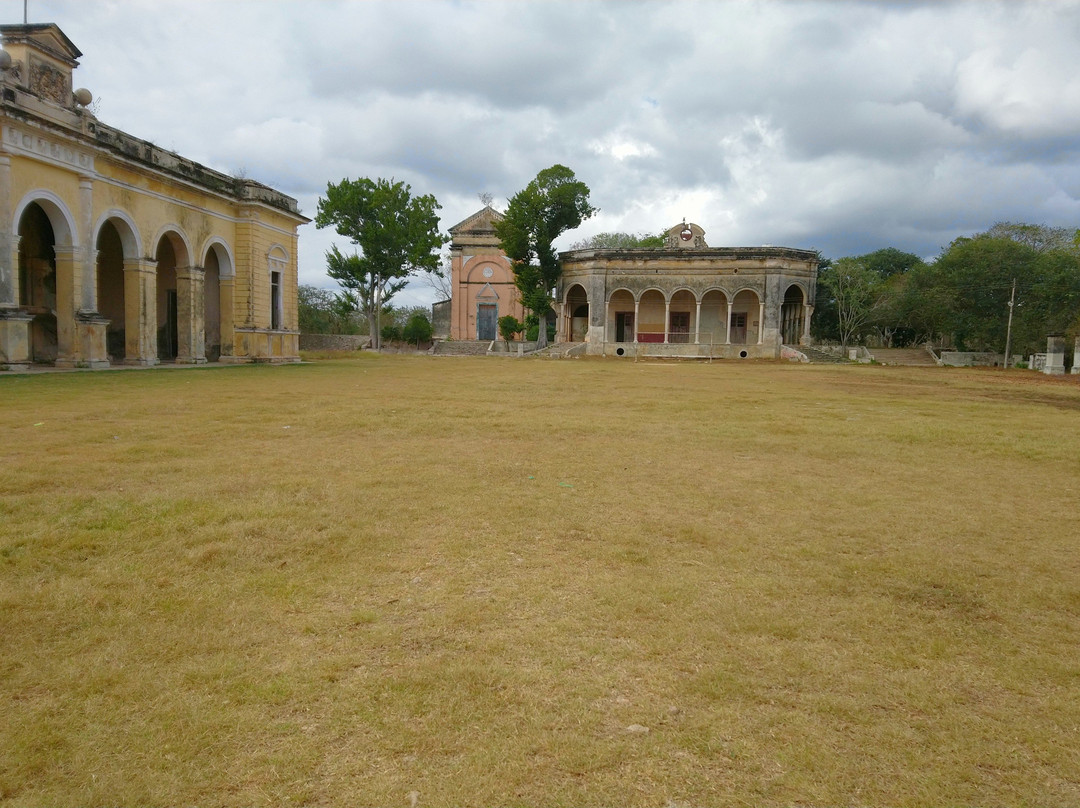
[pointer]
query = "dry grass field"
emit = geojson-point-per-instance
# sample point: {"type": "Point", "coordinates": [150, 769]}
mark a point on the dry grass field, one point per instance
{"type": "Point", "coordinates": [470, 582]}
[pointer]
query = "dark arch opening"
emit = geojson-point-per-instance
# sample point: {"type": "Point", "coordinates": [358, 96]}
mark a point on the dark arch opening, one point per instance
{"type": "Point", "coordinates": [37, 280]}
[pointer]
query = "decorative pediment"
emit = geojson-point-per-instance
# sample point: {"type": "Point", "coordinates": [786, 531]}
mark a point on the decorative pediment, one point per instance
{"type": "Point", "coordinates": [483, 221]}
{"type": "Point", "coordinates": [44, 37]}
{"type": "Point", "coordinates": [686, 237]}
{"type": "Point", "coordinates": [487, 292]}
{"type": "Point", "coordinates": [42, 59]}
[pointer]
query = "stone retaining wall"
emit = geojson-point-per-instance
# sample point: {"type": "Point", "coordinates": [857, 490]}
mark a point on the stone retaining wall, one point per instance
{"type": "Point", "coordinates": [333, 342]}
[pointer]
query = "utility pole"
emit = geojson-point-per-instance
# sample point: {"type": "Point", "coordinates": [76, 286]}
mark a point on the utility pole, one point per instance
{"type": "Point", "coordinates": [1008, 331]}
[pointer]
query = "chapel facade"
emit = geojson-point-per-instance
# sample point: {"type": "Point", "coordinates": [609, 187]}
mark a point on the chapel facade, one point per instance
{"type": "Point", "coordinates": [115, 251]}
{"type": "Point", "coordinates": [482, 279]}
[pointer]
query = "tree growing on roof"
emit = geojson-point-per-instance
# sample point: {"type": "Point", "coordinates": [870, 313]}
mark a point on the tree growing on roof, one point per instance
{"type": "Point", "coordinates": [621, 241]}
{"type": "Point", "coordinates": [554, 202]}
{"type": "Point", "coordinates": [397, 233]}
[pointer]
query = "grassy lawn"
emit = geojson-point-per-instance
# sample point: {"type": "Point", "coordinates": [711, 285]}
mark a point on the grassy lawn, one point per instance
{"type": "Point", "coordinates": [515, 582]}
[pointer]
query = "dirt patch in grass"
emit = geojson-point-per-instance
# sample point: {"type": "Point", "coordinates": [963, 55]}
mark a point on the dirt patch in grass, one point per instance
{"type": "Point", "coordinates": [539, 582]}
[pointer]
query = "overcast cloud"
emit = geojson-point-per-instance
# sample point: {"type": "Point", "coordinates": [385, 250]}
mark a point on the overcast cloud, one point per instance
{"type": "Point", "coordinates": [837, 126]}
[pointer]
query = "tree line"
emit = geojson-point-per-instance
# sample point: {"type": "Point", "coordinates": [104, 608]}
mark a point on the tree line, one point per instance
{"type": "Point", "coordinates": [962, 299]}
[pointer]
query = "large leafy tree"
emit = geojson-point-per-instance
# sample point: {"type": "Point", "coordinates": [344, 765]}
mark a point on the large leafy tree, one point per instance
{"type": "Point", "coordinates": [397, 233]}
{"type": "Point", "coordinates": [859, 294]}
{"type": "Point", "coordinates": [554, 202]}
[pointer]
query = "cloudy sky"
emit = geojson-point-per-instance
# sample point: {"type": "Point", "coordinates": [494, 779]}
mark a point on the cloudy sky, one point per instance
{"type": "Point", "coordinates": [837, 126]}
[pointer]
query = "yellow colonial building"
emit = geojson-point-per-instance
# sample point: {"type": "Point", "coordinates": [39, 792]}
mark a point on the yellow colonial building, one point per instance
{"type": "Point", "coordinates": [115, 251]}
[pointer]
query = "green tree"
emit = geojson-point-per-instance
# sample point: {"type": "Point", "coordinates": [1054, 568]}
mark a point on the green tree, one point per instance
{"type": "Point", "coordinates": [1039, 237]}
{"type": "Point", "coordinates": [397, 233]}
{"type": "Point", "coordinates": [324, 312]}
{"type": "Point", "coordinates": [859, 294]}
{"type": "Point", "coordinates": [315, 310]}
{"type": "Point", "coordinates": [508, 326]}
{"type": "Point", "coordinates": [554, 202]}
{"type": "Point", "coordinates": [620, 241]}
{"type": "Point", "coordinates": [889, 262]}
{"type": "Point", "coordinates": [418, 329]}
{"type": "Point", "coordinates": [824, 327]}
{"type": "Point", "coordinates": [968, 289]}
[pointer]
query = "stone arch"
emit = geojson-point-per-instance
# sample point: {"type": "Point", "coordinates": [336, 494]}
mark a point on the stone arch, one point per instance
{"type": "Point", "coordinates": [621, 325]}
{"type": "Point", "coordinates": [681, 316]}
{"type": "Point", "coordinates": [576, 313]}
{"type": "Point", "coordinates": [745, 325]}
{"type": "Point", "coordinates": [45, 284]}
{"type": "Point", "coordinates": [475, 270]}
{"type": "Point", "coordinates": [714, 316]}
{"type": "Point", "coordinates": [65, 231]}
{"type": "Point", "coordinates": [793, 314]}
{"type": "Point", "coordinates": [172, 252]}
{"type": "Point", "coordinates": [220, 249]}
{"type": "Point", "coordinates": [651, 315]}
{"type": "Point", "coordinates": [179, 242]}
{"type": "Point", "coordinates": [116, 242]}
{"type": "Point", "coordinates": [126, 229]}
{"type": "Point", "coordinates": [217, 264]}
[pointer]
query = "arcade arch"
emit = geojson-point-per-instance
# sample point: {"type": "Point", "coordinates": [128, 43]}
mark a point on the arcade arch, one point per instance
{"type": "Point", "coordinates": [793, 315]}
{"type": "Point", "coordinates": [576, 308]}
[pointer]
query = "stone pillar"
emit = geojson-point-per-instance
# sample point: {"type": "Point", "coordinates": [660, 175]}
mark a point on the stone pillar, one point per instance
{"type": "Point", "coordinates": [637, 318]}
{"type": "Point", "coordinates": [191, 316]}
{"type": "Point", "coordinates": [697, 324]}
{"type": "Point", "coordinates": [808, 312]}
{"type": "Point", "coordinates": [88, 296]}
{"type": "Point", "coordinates": [14, 324]}
{"type": "Point", "coordinates": [1076, 357]}
{"type": "Point", "coordinates": [9, 256]}
{"type": "Point", "coordinates": [761, 324]}
{"type": "Point", "coordinates": [727, 328]}
{"type": "Point", "coordinates": [140, 312]}
{"type": "Point", "coordinates": [68, 290]}
{"type": "Point", "coordinates": [91, 348]}
{"type": "Point", "coordinates": [1055, 355]}
{"type": "Point", "coordinates": [667, 319]}
{"type": "Point", "coordinates": [226, 287]}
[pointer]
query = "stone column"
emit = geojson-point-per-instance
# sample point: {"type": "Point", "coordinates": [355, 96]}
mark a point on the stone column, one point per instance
{"type": "Point", "coordinates": [808, 312]}
{"type": "Point", "coordinates": [14, 324]}
{"type": "Point", "coordinates": [697, 324]}
{"type": "Point", "coordinates": [667, 319]}
{"type": "Point", "coordinates": [727, 328]}
{"type": "Point", "coordinates": [68, 290]}
{"type": "Point", "coordinates": [637, 313]}
{"type": "Point", "coordinates": [88, 296]}
{"type": "Point", "coordinates": [1076, 357]}
{"type": "Point", "coordinates": [226, 287]}
{"type": "Point", "coordinates": [9, 255]}
{"type": "Point", "coordinates": [1055, 355]}
{"type": "Point", "coordinates": [191, 316]}
{"type": "Point", "coordinates": [140, 312]}
{"type": "Point", "coordinates": [761, 323]}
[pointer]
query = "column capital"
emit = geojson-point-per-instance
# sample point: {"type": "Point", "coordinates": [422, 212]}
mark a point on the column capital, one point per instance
{"type": "Point", "coordinates": [192, 273]}
{"type": "Point", "coordinates": [140, 265]}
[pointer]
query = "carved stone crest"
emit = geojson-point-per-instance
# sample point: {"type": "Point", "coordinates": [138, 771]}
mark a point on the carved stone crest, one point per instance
{"type": "Point", "coordinates": [48, 82]}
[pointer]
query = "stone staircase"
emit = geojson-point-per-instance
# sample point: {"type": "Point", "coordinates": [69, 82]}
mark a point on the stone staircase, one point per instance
{"type": "Point", "coordinates": [461, 347]}
{"type": "Point", "coordinates": [912, 357]}
{"type": "Point", "coordinates": [819, 357]}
